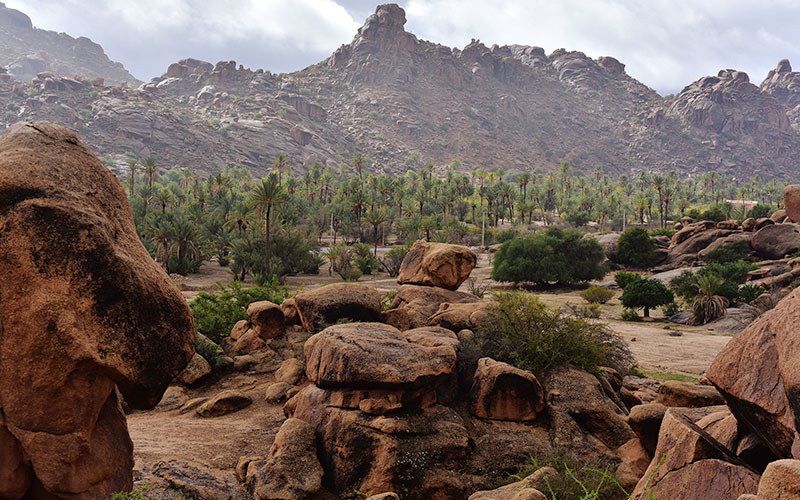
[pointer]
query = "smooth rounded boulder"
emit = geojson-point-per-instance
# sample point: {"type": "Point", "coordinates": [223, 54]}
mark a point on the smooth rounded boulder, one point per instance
{"type": "Point", "coordinates": [86, 314]}
{"type": "Point", "coordinates": [331, 303]}
{"type": "Point", "coordinates": [791, 200]}
{"type": "Point", "coordinates": [437, 264]}
{"type": "Point", "coordinates": [503, 392]}
{"type": "Point", "coordinates": [376, 355]}
{"type": "Point", "coordinates": [775, 241]}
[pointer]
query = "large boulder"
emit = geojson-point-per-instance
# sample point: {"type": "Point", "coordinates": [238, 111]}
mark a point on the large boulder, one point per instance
{"type": "Point", "coordinates": [791, 200]}
{"type": "Point", "coordinates": [291, 471]}
{"type": "Point", "coordinates": [422, 302]}
{"type": "Point", "coordinates": [682, 394]}
{"type": "Point", "coordinates": [692, 460]}
{"type": "Point", "coordinates": [266, 318]}
{"type": "Point", "coordinates": [503, 392]}
{"type": "Point", "coordinates": [758, 374]}
{"type": "Point", "coordinates": [437, 264]}
{"type": "Point", "coordinates": [377, 355]}
{"type": "Point", "coordinates": [85, 311]}
{"type": "Point", "coordinates": [457, 317]}
{"type": "Point", "coordinates": [781, 481]}
{"type": "Point", "coordinates": [331, 303]}
{"type": "Point", "coordinates": [775, 241]}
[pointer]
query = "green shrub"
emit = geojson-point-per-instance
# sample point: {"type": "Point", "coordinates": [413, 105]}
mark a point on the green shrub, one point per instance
{"type": "Point", "coordinates": [663, 231]}
{"type": "Point", "coordinates": [340, 257]}
{"type": "Point", "coordinates": [671, 309]}
{"type": "Point", "coordinates": [364, 258]}
{"type": "Point", "coordinates": [715, 213]}
{"type": "Point", "coordinates": [392, 260]}
{"type": "Point", "coordinates": [729, 252]}
{"type": "Point", "coordinates": [552, 256]}
{"type": "Point", "coordinates": [636, 247]}
{"type": "Point", "coordinates": [596, 295]}
{"type": "Point", "coordinates": [629, 315]}
{"type": "Point", "coordinates": [522, 331]}
{"type": "Point", "coordinates": [749, 293]}
{"type": "Point", "coordinates": [216, 313]}
{"type": "Point", "coordinates": [211, 352]}
{"type": "Point", "coordinates": [137, 494]}
{"type": "Point", "coordinates": [578, 478]}
{"type": "Point", "coordinates": [685, 285]}
{"type": "Point", "coordinates": [646, 294]}
{"type": "Point", "coordinates": [387, 299]}
{"type": "Point", "coordinates": [508, 234]}
{"type": "Point", "coordinates": [624, 278]}
{"type": "Point", "coordinates": [760, 211]}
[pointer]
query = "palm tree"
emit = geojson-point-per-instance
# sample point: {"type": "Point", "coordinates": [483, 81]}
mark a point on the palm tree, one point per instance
{"type": "Point", "coordinates": [358, 163]}
{"type": "Point", "coordinates": [263, 197]}
{"type": "Point", "coordinates": [132, 168]}
{"type": "Point", "coordinates": [150, 170]}
{"type": "Point", "coordinates": [164, 198]}
{"type": "Point", "coordinates": [279, 164]}
{"type": "Point", "coordinates": [375, 218]}
{"type": "Point", "coordinates": [708, 306]}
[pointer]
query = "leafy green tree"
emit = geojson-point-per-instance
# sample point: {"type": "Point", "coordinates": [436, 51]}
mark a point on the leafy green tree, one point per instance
{"type": "Point", "coordinates": [646, 294]}
{"type": "Point", "coordinates": [551, 256]}
{"type": "Point", "coordinates": [264, 196]}
{"type": "Point", "coordinates": [636, 247]}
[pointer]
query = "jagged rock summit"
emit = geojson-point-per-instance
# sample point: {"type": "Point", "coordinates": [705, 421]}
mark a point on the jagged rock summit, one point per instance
{"type": "Point", "coordinates": [26, 51]}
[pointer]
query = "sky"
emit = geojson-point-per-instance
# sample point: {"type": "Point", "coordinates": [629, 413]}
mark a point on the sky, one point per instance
{"type": "Point", "coordinates": [666, 44]}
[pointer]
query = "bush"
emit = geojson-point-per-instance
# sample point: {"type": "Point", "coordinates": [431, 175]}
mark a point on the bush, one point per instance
{"type": "Point", "coordinates": [646, 294]}
{"type": "Point", "coordinates": [624, 278]}
{"type": "Point", "coordinates": [749, 293]}
{"type": "Point", "coordinates": [760, 211]}
{"type": "Point", "coordinates": [392, 260]}
{"type": "Point", "coordinates": [552, 256]}
{"type": "Point", "coordinates": [216, 313]}
{"type": "Point", "coordinates": [671, 309]}
{"type": "Point", "coordinates": [522, 331]}
{"type": "Point", "coordinates": [663, 231]}
{"type": "Point", "coordinates": [636, 247]}
{"type": "Point", "coordinates": [629, 315]}
{"type": "Point", "coordinates": [506, 235]}
{"type": "Point", "coordinates": [364, 258]}
{"type": "Point", "coordinates": [341, 258]}
{"type": "Point", "coordinates": [211, 352]}
{"type": "Point", "coordinates": [715, 213]}
{"type": "Point", "coordinates": [685, 285]}
{"type": "Point", "coordinates": [729, 252]}
{"type": "Point", "coordinates": [596, 295]}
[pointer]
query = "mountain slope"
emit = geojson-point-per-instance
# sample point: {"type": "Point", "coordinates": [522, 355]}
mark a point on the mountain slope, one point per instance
{"type": "Point", "coordinates": [405, 102]}
{"type": "Point", "coordinates": [26, 51]}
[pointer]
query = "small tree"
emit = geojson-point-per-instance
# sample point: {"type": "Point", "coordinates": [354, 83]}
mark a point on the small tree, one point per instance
{"type": "Point", "coordinates": [636, 247]}
{"type": "Point", "coordinates": [646, 293]}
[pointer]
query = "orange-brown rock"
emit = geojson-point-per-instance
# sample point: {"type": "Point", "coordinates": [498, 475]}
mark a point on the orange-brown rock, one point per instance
{"type": "Point", "coordinates": [422, 302]}
{"type": "Point", "coordinates": [693, 462]}
{"type": "Point", "coordinates": [291, 471]}
{"type": "Point", "coordinates": [645, 420]}
{"type": "Point", "coordinates": [682, 394]}
{"type": "Point", "coordinates": [437, 264]}
{"type": "Point", "coordinates": [266, 318]}
{"type": "Point", "coordinates": [85, 311]}
{"type": "Point", "coordinates": [758, 373]}
{"type": "Point", "coordinates": [780, 481]}
{"type": "Point", "coordinates": [457, 317]}
{"type": "Point", "coordinates": [376, 355]}
{"type": "Point", "coordinates": [331, 303]}
{"type": "Point", "coordinates": [397, 318]}
{"type": "Point", "coordinates": [290, 315]}
{"type": "Point", "coordinates": [503, 392]}
{"type": "Point", "coordinates": [775, 241]}
{"type": "Point", "coordinates": [223, 403]}
{"type": "Point", "coordinates": [778, 216]}
{"type": "Point", "coordinates": [791, 200]}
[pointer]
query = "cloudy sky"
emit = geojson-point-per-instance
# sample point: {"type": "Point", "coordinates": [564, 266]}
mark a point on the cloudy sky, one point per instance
{"type": "Point", "coordinates": [666, 44]}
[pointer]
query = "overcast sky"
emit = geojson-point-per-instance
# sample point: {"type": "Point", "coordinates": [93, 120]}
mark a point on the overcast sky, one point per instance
{"type": "Point", "coordinates": [666, 44]}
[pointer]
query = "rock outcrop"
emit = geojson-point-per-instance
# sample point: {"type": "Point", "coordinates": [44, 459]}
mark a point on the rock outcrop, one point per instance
{"type": "Point", "coordinates": [437, 264]}
{"type": "Point", "coordinates": [757, 374]}
{"type": "Point", "coordinates": [776, 241]}
{"type": "Point", "coordinates": [331, 303]}
{"type": "Point", "coordinates": [422, 302]}
{"type": "Point", "coordinates": [791, 199]}
{"type": "Point", "coordinates": [502, 392]}
{"type": "Point", "coordinates": [87, 315]}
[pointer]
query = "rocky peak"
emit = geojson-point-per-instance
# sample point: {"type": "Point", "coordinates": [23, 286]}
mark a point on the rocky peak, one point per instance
{"type": "Point", "coordinates": [386, 23]}
{"type": "Point", "coordinates": [784, 84]}
{"type": "Point", "coordinates": [14, 19]}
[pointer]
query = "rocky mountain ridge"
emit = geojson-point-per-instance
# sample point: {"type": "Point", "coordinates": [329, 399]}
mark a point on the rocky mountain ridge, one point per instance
{"type": "Point", "coordinates": [26, 51]}
{"type": "Point", "coordinates": [405, 102]}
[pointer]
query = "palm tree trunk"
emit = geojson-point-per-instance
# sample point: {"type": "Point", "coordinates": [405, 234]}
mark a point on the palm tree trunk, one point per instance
{"type": "Point", "coordinates": [266, 238]}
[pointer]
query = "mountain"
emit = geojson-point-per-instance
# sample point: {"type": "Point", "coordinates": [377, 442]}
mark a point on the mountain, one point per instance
{"type": "Point", "coordinates": [405, 102]}
{"type": "Point", "coordinates": [26, 51]}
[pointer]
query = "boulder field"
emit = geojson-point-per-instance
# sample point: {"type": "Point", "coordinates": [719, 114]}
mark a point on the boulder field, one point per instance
{"type": "Point", "coordinates": [87, 320]}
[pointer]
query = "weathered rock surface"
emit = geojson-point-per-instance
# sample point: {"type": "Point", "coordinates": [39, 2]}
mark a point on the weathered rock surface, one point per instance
{"type": "Point", "coordinates": [85, 311]}
{"type": "Point", "coordinates": [266, 318]}
{"type": "Point", "coordinates": [197, 368]}
{"type": "Point", "coordinates": [223, 403]}
{"type": "Point", "coordinates": [692, 460]}
{"type": "Point", "coordinates": [457, 317]}
{"type": "Point", "coordinates": [291, 471]}
{"type": "Point", "coordinates": [791, 199]}
{"type": "Point", "coordinates": [331, 303]}
{"type": "Point", "coordinates": [422, 302]}
{"type": "Point", "coordinates": [645, 420]}
{"type": "Point", "coordinates": [375, 355]}
{"type": "Point", "coordinates": [775, 241]}
{"type": "Point", "coordinates": [437, 264]}
{"type": "Point", "coordinates": [682, 394]}
{"type": "Point", "coordinates": [502, 392]}
{"type": "Point", "coordinates": [780, 481]}
{"type": "Point", "coordinates": [757, 374]}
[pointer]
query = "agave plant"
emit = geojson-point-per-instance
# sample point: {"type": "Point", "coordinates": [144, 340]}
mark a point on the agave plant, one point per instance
{"type": "Point", "coordinates": [707, 305]}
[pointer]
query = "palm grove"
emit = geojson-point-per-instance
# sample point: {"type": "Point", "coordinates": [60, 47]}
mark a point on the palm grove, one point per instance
{"type": "Point", "coordinates": [267, 228]}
